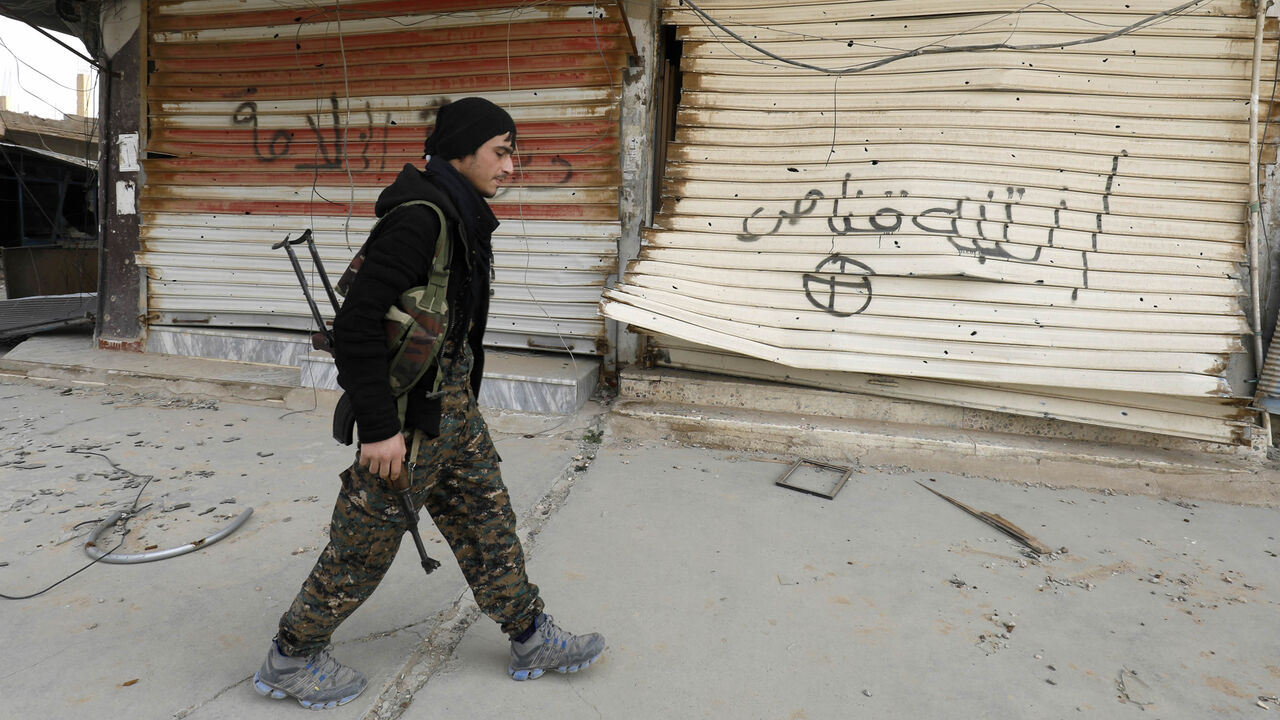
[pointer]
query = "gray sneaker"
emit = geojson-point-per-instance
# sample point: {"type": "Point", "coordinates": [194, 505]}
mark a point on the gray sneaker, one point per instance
{"type": "Point", "coordinates": [318, 682]}
{"type": "Point", "coordinates": [552, 648]}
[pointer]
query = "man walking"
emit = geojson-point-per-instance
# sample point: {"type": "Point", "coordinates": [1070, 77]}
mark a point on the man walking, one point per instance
{"type": "Point", "coordinates": [434, 442]}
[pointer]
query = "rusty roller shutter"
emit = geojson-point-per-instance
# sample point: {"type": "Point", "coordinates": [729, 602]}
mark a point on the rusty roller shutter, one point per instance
{"type": "Point", "coordinates": [267, 118]}
{"type": "Point", "coordinates": [1055, 231]}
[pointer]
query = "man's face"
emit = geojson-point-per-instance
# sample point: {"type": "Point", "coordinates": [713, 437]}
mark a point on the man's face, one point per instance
{"type": "Point", "coordinates": [489, 165]}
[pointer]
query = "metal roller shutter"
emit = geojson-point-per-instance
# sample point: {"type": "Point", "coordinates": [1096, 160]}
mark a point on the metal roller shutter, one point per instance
{"type": "Point", "coordinates": [267, 118]}
{"type": "Point", "coordinates": [1054, 232]}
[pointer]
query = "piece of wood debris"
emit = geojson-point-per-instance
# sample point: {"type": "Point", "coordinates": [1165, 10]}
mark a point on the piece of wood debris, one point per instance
{"type": "Point", "coordinates": [997, 522]}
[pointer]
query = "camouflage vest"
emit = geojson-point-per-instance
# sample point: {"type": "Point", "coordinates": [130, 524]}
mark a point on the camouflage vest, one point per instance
{"type": "Point", "coordinates": [417, 324]}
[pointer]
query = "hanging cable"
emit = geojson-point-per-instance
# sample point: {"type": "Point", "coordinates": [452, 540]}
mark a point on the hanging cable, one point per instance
{"type": "Point", "coordinates": [346, 156]}
{"type": "Point", "coordinates": [70, 49]}
{"type": "Point", "coordinates": [932, 50]}
{"type": "Point", "coordinates": [524, 233]}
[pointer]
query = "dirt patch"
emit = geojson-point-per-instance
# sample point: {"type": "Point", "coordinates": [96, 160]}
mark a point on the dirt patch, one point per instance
{"type": "Point", "coordinates": [1224, 686]}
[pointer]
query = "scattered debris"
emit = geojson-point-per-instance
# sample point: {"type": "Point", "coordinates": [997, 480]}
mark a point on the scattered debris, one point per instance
{"type": "Point", "coordinates": [127, 683]}
{"type": "Point", "coordinates": [1129, 684]}
{"type": "Point", "coordinates": [92, 549]}
{"type": "Point", "coordinates": [997, 522]}
{"type": "Point", "coordinates": [831, 478]}
{"type": "Point", "coordinates": [1050, 581]}
{"type": "Point", "coordinates": [991, 642]}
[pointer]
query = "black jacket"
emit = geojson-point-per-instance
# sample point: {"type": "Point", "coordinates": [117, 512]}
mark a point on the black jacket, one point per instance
{"type": "Point", "coordinates": [397, 257]}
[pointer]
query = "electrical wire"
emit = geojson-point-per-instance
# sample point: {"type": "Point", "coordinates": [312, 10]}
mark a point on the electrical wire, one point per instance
{"type": "Point", "coordinates": [1075, 16]}
{"type": "Point", "coordinates": [37, 71]}
{"type": "Point", "coordinates": [346, 162]}
{"type": "Point", "coordinates": [90, 130]}
{"type": "Point", "coordinates": [1262, 220]}
{"type": "Point", "coordinates": [27, 190]}
{"type": "Point", "coordinates": [933, 50]}
{"type": "Point", "coordinates": [133, 508]}
{"type": "Point", "coordinates": [346, 128]}
{"type": "Point", "coordinates": [1017, 14]}
{"type": "Point", "coordinates": [315, 175]}
{"type": "Point", "coordinates": [524, 232]}
{"type": "Point", "coordinates": [18, 176]}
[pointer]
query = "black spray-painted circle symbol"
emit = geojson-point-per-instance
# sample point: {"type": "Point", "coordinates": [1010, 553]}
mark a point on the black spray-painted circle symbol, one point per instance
{"type": "Point", "coordinates": [839, 285]}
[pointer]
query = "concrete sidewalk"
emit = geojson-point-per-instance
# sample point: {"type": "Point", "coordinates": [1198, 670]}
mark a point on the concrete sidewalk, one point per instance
{"type": "Point", "coordinates": [721, 594]}
{"type": "Point", "coordinates": [724, 596]}
{"type": "Point", "coordinates": [180, 637]}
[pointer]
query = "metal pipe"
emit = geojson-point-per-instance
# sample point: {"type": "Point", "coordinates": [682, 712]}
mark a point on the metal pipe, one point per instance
{"type": "Point", "coordinates": [69, 49]}
{"type": "Point", "coordinates": [1255, 208]}
{"type": "Point", "coordinates": [22, 201]}
{"type": "Point", "coordinates": [92, 550]}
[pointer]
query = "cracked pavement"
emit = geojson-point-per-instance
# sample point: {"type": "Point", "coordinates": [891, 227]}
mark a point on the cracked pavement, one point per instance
{"type": "Point", "coordinates": [181, 637]}
{"type": "Point", "coordinates": [721, 594]}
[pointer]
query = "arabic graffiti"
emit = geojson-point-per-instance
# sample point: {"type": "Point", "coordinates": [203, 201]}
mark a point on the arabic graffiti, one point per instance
{"type": "Point", "coordinates": [333, 145]}
{"type": "Point", "coordinates": [568, 169]}
{"type": "Point", "coordinates": [247, 113]}
{"type": "Point", "coordinates": [340, 146]}
{"type": "Point", "coordinates": [975, 227]}
{"type": "Point", "coordinates": [841, 285]}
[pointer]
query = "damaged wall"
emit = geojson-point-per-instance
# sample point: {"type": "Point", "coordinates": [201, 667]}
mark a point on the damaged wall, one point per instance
{"type": "Point", "coordinates": [1057, 231]}
{"type": "Point", "coordinates": [265, 121]}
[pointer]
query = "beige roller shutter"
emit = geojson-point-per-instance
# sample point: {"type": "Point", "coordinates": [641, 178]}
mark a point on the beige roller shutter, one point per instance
{"type": "Point", "coordinates": [1056, 231]}
{"type": "Point", "coordinates": [267, 118]}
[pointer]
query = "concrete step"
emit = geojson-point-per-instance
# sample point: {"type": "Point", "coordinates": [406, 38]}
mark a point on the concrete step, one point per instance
{"type": "Point", "coordinates": [855, 430]}
{"type": "Point", "coordinates": [699, 388]}
{"type": "Point", "coordinates": [73, 358]}
{"type": "Point", "coordinates": [513, 380]}
{"type": "Point", "coordinates": [521, 381]}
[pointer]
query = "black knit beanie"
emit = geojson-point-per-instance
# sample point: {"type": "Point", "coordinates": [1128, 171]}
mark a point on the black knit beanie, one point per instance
{"type": "Point", "coordinates": [464, 125]}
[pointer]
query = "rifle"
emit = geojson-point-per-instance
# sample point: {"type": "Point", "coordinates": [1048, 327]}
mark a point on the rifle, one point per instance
{"type": "Point", "coordinates": [344, 415]}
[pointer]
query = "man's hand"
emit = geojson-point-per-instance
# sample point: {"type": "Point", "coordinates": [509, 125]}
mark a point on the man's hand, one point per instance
{"type": "Point", "coordinates": [385, 458]}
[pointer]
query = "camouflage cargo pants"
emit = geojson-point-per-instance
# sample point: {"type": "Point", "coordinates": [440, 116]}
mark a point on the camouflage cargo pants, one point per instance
{"type": "Point", "coordinates": [456, 478]}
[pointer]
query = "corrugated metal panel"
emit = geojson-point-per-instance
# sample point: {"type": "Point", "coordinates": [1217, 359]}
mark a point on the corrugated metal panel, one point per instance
{"type": "Point", "coordinates": [277, 117]}
{"type": "Point", "coordinates": [1220, 421]}
{"type": "Point", "coordinates": [30, 315]}
{"type": "Point", "coordinates": [1268, 395]}
{"type": "Point", "coordinates": [997, 221]}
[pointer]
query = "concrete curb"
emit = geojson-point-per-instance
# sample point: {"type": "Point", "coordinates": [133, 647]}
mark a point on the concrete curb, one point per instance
{"type": "Point", "coordinates": [1018, 459]}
